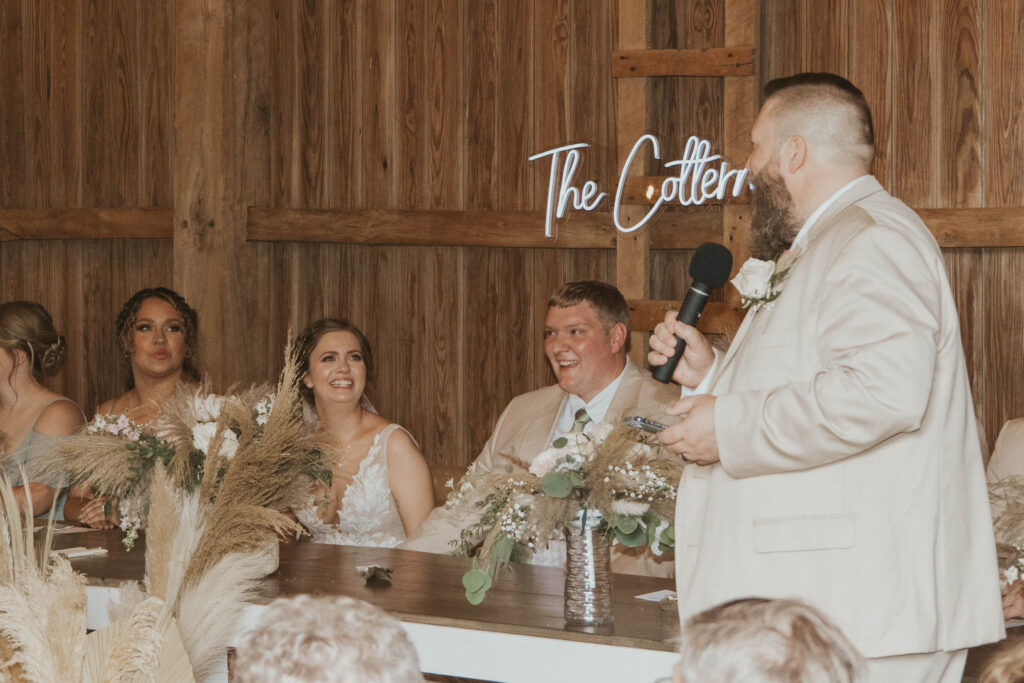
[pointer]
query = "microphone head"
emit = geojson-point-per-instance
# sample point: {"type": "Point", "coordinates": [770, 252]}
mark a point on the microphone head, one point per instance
{"type": "Point", "coordinates": [711, 265]}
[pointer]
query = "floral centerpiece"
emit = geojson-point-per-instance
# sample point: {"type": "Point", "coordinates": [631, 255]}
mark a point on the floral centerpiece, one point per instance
{"type": "Point", "coordinates": [1006, 497]}
{"type": "Point", "coordinates": [616, 475]}
{"type": "Point", "coordinates": [194, 430]}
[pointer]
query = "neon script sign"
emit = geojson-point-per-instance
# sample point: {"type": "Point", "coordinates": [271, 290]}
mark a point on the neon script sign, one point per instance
{"type": "Point", "coordinates": [695, 182]}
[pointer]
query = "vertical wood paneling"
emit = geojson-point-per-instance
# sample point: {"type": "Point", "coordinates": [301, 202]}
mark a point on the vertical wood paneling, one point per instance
{"type": "Point", "coordinates": [311, 95]}
{"type": "Point", "coordinates": [871, 71]}
{"type": "Point", "coordinates": [781, 57]}
{"type": "Point", "coordinates": [284, 103]}
{"type": "Point", "coordinates": [481, 102]}
{"type": "Point", "coordinates": [66, 105]}
{"type": "Point", "coordinates": [12, 107]}
{"type": "Point", "coordinates": [1003, 92]}
{"type": "Point", "coordinates": [343, 98]}
{"type": "Point", "coordinates": [550, 87]}
{"type": "Point", "coordinates": [959, 123]}
{"type": "Point", "coordinates": [111, 111]}
{"type": "Point", "coordinates": [156, 88]}
{"type": "Point", "coordinates": [444, 130]}
{"type": "Point", "coordinates": [915, 166]}
{"type": "Point", "coordinates": [411, 76]}
{"type": "Point", "coordinates": [514, 85]}
{"type": "Point", "coordinates": [379, 101]}
{"type": "Point", "coordinates": [591, 118]}
{"type": "Point", "coordinates": [831, 54]}
{"type": "Point", "coordinates": [38, 151]}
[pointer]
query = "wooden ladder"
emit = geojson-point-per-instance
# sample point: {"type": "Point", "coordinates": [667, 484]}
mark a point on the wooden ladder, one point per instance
{"type": "Point", "coordinates": [632, 61]}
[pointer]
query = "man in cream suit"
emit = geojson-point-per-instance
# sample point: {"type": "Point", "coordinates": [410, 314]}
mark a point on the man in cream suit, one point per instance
{"type": "Point", "coordinates": [837, 434]}
{"type": "Point", "coordinates": [586, 337]}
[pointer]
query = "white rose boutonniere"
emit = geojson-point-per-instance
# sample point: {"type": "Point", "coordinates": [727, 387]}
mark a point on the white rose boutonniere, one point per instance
{"type": "Point", "coordinates": [760, 282]}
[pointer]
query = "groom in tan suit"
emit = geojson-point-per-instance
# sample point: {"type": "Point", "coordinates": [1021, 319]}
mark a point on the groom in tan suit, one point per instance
{"type": "Point", "coordinates": [836, 440]}
{"type": "Point", "coordinates": [586, 337]}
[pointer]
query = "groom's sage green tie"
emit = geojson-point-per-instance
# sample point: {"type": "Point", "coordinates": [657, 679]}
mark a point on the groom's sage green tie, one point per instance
{"type": "Point", "coordinates": [581, 420]}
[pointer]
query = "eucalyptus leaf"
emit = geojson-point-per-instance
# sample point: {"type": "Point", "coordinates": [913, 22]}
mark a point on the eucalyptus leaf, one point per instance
{"type": "Point", "coordinates": [633, 540]}
{"type": "Point", "coordinates": [560, 442]}
{"type": "Point", "coordinates": [626, 524]}
{"type": "Point", "coordinates": [476, 581]}
{"type": "Point", "coordinates": [501, 551]}
{"type": "Point", "coordinates": [476, 598]}
{"type": "Point", "coordinates": [556, 485]}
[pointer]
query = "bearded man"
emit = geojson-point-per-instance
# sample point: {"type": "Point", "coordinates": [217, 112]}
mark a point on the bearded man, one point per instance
{"type": "Point", "coordinates": [836, 445]}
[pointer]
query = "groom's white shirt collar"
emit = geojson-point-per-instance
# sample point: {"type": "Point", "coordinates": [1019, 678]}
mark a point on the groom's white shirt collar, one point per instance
{"type": "Point", "coordinates": [597, 409]}
{"type": "Point", "coordinates": [822, 208]}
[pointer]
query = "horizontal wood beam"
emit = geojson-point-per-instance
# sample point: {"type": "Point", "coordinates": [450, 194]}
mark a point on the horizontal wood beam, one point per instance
{"type": "Point", "coordinates": [717, 318]}
{"type": "Point", "coordinates": [72, 224]}
{"type": "Point", "coordinates": [715, 61]}
{"type": "Point", "coordinates": [681, 229]}
{"type": "Point", "coordinates": [963, 228]}
{"type": "Point", "coordinates": [678, 228]}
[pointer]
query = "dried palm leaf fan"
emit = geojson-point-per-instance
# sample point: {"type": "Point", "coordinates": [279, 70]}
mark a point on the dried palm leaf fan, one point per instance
{"type": "Point", "coordinates": [208, 548]}
{"type": "Point", "coordinates": [42, 601]}
{"type": "Point", "coordinates": [142, 648]}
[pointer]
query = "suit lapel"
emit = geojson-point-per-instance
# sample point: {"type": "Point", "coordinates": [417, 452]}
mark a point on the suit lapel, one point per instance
{"type": "Point", "coordinates": [856, 193]}
{"type": "Point", "coordinates": [626, 396]}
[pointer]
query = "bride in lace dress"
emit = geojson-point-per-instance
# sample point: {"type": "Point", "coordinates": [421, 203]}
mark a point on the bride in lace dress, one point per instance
{"type": "Point", "coordinates": [381, 489]}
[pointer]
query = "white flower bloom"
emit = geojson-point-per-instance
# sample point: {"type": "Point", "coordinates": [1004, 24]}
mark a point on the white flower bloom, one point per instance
{"type": "Point", "coordinates": [203, 433]}
{"type": "Point", "coordinates": [629, 508]}
{"type": "Point", "coordinates": [208, 407]}
{"type": "Point", "coordinates": [754, 279]}
{"type": "Point", "coordinates": [1011, 574]}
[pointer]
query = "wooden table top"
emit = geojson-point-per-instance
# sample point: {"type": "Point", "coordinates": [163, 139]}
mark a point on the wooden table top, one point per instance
{"type": "Point", "coordinates": [425, 588]}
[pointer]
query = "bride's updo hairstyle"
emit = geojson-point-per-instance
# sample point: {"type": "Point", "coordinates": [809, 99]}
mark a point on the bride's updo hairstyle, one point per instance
{"type": "Point", "coordinates": [310, 337]}
{"type": "Point", "coordinates": [128, 316]}
{"type": "Point", "coordinates": [26, 326]}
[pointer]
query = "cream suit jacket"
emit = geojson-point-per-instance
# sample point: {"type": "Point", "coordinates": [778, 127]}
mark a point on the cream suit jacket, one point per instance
{"type": "Point", "coordinates": [850, 473]}
{"type": "Point", "coordinates": [526, 428]}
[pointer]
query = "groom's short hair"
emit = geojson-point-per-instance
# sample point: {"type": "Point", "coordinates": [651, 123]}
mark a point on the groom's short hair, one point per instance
{"type": "Point", "coordinates": [606, 300]}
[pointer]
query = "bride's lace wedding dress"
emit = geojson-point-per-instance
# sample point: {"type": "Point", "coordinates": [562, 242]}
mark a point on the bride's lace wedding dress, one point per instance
{"type": "Point", "coordinates": [368, 515]}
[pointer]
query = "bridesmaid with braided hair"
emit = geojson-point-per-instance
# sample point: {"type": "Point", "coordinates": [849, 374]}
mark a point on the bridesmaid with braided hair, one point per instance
{"type": "Point", "coordinates": [33, 418]}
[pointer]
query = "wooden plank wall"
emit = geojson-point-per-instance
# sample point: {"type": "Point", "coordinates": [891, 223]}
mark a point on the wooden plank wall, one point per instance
{"type": "Point", "coordinates": [435, 104]}
{"type": "Point", "coordinates": [944, 80]}
{"type": "Point", "coordinates": [84, 122]}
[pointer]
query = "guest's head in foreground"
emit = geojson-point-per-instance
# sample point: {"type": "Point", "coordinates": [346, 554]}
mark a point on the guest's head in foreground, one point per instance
{"type": "Point", "coordinates": [328, 639]}
{"type": "Point", "coordinates": [814, 131]}
{"type": "Point", "coordinates": [586, 336]}
{"type": "Point", "coordinates": [32, 417]}
{"type": "Point", "coordinates": [1006, 666]}
{"type": "Point", "coordinates": [158, 332]}
{"type": "Point", "coordinates": [768, 641]}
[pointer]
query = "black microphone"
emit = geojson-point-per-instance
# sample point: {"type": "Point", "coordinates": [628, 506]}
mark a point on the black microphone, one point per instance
{"type": "Point", "coordinates": [709, 269]}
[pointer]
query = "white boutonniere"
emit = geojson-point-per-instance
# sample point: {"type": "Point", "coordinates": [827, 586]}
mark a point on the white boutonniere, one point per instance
{"type": "Point", "coordinates": [760, 282]}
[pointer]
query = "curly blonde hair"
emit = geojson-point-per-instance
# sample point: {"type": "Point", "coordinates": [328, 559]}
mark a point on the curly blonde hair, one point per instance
{"type": "Point", "coordinates": [328, 639]}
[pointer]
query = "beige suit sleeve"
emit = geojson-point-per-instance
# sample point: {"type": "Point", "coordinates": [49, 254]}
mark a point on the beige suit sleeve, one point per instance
{"type": "Point", "coordinates": [442, 526]}
{"type": "Point", "coordinates": [877, 333]}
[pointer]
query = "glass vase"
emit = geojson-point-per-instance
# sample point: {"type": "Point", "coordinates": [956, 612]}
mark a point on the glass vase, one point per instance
{"type": "Point", "coordinates": [588, 585]}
